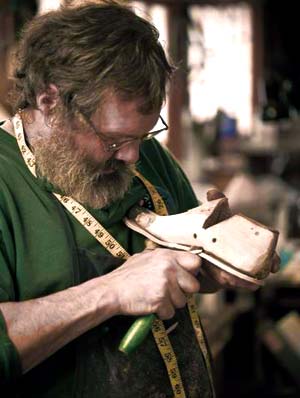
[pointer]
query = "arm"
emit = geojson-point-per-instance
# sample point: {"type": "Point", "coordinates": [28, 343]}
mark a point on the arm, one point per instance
{"type": "Point", "coordinates": [149, 282]}
{"type": "Point", "coordinates": [40, 327]}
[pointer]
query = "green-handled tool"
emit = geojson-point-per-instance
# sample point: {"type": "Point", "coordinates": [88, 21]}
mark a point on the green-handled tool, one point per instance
{"type": "Point", "coordinates": [136, 334]}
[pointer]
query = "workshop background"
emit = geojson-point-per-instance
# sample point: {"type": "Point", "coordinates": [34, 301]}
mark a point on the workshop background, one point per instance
{"type": "Point", "coordinates": [233, 110]}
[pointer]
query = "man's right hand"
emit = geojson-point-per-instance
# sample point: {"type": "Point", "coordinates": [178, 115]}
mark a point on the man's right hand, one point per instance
{"type": "Point", "coordinates": [154, 281]}
{"type": "Point", "coordinates": [150, 282]}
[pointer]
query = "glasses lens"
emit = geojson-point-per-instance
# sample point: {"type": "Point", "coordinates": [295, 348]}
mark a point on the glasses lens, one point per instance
{"type": "Point", "coordinates": [161, 125]}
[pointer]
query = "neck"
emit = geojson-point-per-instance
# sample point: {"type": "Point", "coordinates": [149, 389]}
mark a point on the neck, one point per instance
{"type": "Point", "coordinates": [8, 127]}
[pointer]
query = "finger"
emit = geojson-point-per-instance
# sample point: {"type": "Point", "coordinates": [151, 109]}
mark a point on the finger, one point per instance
{"type": "Point", "coordinates": [275, 263]}
{"type": "Point", "coordinates": [189, 261]}
{"type": "Point", "coordinates": [227, 280]}
{"type": "Point", "coordinates": [187, 282]}
{"type": "Point", "coordinates": [150, 245]}
{"type": "Point", "coordinates": [213, 194]}
{"type": "Point", "coordinates": [177, 296]}
{"type": "Point", "coordinates": [166, 310]}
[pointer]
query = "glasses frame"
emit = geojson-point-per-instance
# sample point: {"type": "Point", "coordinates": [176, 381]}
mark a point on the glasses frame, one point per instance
{"type": "Point", "coordinates": [115, 146]}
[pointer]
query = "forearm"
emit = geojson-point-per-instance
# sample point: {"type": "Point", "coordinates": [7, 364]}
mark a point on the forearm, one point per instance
{"type": "Point", "coordinates": [149, 282]}
{"type": "Point", "coordinates": [40, 327]}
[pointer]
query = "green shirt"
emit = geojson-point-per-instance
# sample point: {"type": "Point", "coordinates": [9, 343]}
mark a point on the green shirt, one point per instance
{"type": "Point", "coordinates": [44, 249]}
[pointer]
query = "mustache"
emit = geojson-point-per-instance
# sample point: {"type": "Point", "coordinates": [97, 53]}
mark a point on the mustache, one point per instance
{"type": "Point", "coordinates": [116, 167]}
{"type": "Point", "coordinates": [91, 182]}
{"type": "Point", "coordinates": [98, 169]}
{"type": "Point", "coordinates": [115, 164]}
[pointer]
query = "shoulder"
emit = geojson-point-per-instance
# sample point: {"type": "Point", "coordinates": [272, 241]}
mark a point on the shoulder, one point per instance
{"type": "Point", "coordinates": [10, 157]}
{"type": "Point", "coordinates": [158, 158]}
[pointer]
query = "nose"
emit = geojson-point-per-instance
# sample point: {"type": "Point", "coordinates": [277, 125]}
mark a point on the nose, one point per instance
{"type": "Point", "coordinates": [129, 153]}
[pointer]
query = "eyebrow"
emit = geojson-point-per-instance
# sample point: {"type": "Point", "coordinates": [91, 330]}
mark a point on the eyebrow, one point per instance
{"type": "Point", "coordinates": [113, 135]}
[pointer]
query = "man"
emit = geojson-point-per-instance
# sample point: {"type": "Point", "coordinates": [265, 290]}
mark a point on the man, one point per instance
{"type": "Point", "coordinates": [90, 83]}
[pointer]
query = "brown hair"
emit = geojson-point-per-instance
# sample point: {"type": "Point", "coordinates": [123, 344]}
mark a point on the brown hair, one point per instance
{"type": "Point", "coordinates": [89, 49]}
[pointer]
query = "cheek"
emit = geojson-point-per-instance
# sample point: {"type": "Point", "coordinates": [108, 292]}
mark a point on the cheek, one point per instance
{"type": "Point", "coordinates": [90, 145]}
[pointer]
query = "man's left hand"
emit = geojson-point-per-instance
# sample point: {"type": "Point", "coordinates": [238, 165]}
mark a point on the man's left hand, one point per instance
{"type": "Point", "coordinates": [212, 278]}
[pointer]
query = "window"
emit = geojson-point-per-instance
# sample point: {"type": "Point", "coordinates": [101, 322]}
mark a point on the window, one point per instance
{"type": "Point", "coordinates": [220, 59]}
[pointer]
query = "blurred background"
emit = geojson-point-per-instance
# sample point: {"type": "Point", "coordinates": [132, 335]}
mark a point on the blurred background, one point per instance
{"type": "Point", "coordinates": [233, 109]}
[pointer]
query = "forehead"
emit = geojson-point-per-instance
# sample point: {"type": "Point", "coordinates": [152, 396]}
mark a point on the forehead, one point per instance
{"type": "Point", "coordinates": [118, 115]}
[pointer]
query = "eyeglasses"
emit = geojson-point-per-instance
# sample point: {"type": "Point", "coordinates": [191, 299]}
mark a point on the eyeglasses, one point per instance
{"type": "Point", "coordinates": [110, 146]}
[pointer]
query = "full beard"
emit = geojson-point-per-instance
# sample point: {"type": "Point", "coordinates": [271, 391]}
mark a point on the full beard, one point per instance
{"type": "Point", "coordinates": [72, 172]}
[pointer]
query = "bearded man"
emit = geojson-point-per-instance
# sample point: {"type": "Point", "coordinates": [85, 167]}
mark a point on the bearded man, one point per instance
{"type": "Point", "coordinates": [89, 85]}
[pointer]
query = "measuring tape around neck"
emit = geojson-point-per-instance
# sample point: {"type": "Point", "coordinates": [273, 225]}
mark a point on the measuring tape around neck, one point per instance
{"type": "Point", "coordinates": [111, 245]}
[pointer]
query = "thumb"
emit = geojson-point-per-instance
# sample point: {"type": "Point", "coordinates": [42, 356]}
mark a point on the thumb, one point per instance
{"type": "Point", "coordinates": [214, 193]}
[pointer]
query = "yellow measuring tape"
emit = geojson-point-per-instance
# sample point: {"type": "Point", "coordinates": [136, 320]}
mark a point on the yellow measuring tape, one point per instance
{"type": "Point", "coordinates": [111, 245]}
{"type": "Point", "coordinates": [158, 328]}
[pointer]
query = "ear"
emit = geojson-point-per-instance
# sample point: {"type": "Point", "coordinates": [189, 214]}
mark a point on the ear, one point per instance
{"type": "Point", "coordinates": [47, 100]}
